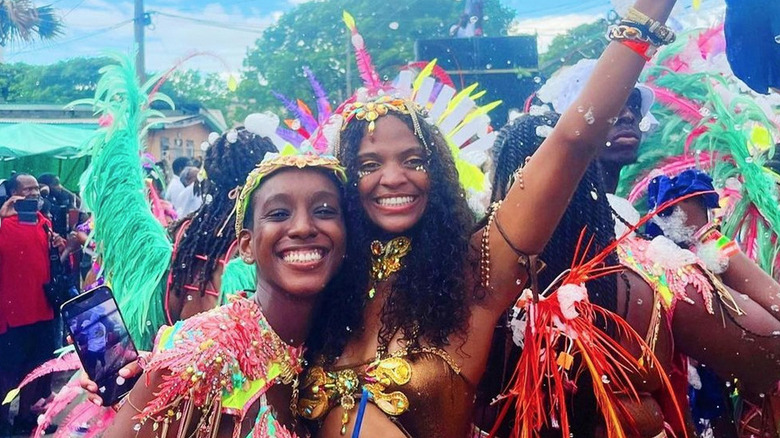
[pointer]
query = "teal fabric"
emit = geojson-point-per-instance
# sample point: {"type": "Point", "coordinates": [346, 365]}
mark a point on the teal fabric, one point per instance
{"type": "Point", "coordinates": [37, 148]}
{"type": "Point", "coordinates": [26, 139]}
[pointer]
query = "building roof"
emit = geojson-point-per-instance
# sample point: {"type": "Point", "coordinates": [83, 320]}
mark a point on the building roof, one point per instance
{"type": "Point", "coordinates": [83, 116]}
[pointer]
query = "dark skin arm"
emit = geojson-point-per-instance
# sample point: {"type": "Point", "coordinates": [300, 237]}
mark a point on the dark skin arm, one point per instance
{"type": "Point", "coordinates": [743, 275]}
{"type": "Point", "coordinates": [529, 215]}
{"type": "Point", "coordinates": [717, 342]}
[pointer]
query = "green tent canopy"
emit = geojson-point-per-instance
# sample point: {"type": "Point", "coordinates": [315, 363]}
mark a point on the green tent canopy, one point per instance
{"type": "Point", "coordinates": [25, 139]}
{"type": "Point", "coordinates": [36, 148]}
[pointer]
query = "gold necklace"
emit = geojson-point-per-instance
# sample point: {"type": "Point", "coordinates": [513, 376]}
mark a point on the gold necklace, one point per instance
{"type": "Point", "coordinates": [386, 259]}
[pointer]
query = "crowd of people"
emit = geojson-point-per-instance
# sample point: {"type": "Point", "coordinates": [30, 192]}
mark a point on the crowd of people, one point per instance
{"type": "Point", "coordinates": [395, 267]}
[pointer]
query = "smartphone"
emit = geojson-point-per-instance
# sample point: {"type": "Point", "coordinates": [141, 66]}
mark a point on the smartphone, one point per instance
{"type": "Point", "coordinates": [27, 209]}
{"type": "Point", "coordinates": [101, 340]}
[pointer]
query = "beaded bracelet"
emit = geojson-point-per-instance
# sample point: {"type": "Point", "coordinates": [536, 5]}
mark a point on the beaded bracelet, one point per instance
{"type": "Point", "coordinates": [661, 33]}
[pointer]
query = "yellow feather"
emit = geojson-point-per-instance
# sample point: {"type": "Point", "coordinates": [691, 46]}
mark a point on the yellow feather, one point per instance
{"type": "Point", "coordinates": [484, 109]}
{"type": "Point", "coordinates": [478, 95]}
{"type": "Point", "coordinates": [423, 74]}
{"type": "Point", "coordinates": [456, 100]}
{"type": "Point", "coordinates": [348, 20]}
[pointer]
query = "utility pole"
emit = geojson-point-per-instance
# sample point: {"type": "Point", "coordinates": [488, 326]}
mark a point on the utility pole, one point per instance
{"type": "Point", "coordinates": [139, 22]}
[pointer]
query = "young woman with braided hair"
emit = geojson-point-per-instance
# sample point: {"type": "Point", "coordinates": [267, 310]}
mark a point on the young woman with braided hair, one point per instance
{"type": "Point", "coordinates": [203, 240]}
{"type": "Point", "coordinates": [690, 329]}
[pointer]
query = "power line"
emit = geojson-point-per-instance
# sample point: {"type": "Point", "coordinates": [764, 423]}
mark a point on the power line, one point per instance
{"type": "Point", "coordinates": [73, 40]}
{"type": "Point", "coordinates": [211, 23]}
{"type": "Point", "coordinates": [72, 9]}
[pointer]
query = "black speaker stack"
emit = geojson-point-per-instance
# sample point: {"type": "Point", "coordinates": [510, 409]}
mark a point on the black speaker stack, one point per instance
{"type": "Point", "coordinates": [494, 62]}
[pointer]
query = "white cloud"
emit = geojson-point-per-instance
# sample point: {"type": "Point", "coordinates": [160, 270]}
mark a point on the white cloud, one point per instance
{"type": "Point", "coordinates": [548, 27]}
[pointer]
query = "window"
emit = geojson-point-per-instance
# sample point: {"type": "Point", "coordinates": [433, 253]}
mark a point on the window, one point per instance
{"type": "Point", "coordinates": [189, 149]}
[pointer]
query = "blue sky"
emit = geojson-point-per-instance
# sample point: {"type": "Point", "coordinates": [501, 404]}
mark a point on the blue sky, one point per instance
{"type": "Point", "coordinates": [94, 26]}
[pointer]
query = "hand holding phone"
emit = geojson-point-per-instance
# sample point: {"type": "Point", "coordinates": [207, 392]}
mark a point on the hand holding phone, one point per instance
{"type": "Point", "coordinates": [131, 370]}
{"type": "Point", "coordinates": [8, 210]}
{"type": "Point", "coordinates": [27, 209]}
{"type": "Point", "coordinates": [102, 341]}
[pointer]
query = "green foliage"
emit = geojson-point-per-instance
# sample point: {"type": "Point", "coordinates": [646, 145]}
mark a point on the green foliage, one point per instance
{"type": "Point", "coordinates": [66, 81]}
{"type": "Point", "coordinates": [192, 88]}
{"type": "Point", "coordinates": [314, 35]}
{"type": "Point", "coordinates": [57, 83]}
{"type": "Point", "coordinates": [584, 41]}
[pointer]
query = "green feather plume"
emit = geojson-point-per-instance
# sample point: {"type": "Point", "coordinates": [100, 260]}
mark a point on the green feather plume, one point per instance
{"type": "Point", "coordinates": [237, 277]}
{"type": "Point", "coordinates": [727, 131]}
{"type": "Point", "coordinates": [133, 246]}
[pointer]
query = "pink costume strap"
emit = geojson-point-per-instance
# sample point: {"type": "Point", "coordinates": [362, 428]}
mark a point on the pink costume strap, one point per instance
{"type": "Point", "coordinates": [176, 240]}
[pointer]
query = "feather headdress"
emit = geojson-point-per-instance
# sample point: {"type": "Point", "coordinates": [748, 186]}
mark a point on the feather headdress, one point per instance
{"type": "Point", "coordinates": [132, 244]}
{"type": "Point", "coordinates": [462, 121]}
{"type": "Point", "coordinates": [711, 121]}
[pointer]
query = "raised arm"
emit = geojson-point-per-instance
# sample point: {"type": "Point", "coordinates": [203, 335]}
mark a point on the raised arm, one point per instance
{"type": "Point", "coordinates": [531, 210]}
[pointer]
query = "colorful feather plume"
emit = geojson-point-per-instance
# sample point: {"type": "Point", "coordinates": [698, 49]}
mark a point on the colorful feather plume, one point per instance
{"type": "Point", "coordinates": [323, 105]}
{"type": "Point", "coordinates": [67, 362]}
{"type": "Point", "coordinates": [717, 126]}
{"type": "Point", "coordinates": [687, 110]}
{"type": "Point", "coordinates": [363, 58]}
{"type": "Point", "coordinates": [301, 112]}
{"type": "Point", "coordinates": [94, 419]}
{"type": "Point", "coordinates": [67, 394]}
{"type": "Point", "coordinates": [132, 244]}
{"type": "Point", "coordinates": [436, 71]}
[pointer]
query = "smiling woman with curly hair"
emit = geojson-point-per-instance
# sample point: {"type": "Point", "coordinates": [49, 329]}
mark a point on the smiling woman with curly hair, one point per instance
{"type": "Point", "coordinates": [414, 327]}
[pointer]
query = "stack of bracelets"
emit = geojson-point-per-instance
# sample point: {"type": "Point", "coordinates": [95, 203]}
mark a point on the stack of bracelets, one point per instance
{"type": "Point", "coordinates": [641, 33]}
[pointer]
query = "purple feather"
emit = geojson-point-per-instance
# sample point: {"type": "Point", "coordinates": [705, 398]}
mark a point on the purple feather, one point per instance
{"type": "Point", "coordinates": [308, 122]}
{"type": "Point", "coordinates": [290, 136]}
{"type": "Point", "coordinates": [323, 106]}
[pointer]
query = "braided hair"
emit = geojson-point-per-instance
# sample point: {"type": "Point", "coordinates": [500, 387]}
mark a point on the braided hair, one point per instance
{"type": "Point", "coordinates": [211, 230]}
{"type": "Point", "coordinates": [428, 299]}
{"type": "Point", "coordinates": [588, 209]}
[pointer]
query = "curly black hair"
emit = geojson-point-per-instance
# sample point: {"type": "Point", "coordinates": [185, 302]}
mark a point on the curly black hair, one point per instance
{"type": "Point", "coordinates": [588, 210]}
{"type": "Point", "coordinates": [212, 226]}
{"type": "Point", "coordinates": [428, 299]}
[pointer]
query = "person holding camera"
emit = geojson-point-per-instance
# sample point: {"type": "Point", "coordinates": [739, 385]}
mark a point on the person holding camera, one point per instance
{"type": "Point", "coordinates": [27, 327]}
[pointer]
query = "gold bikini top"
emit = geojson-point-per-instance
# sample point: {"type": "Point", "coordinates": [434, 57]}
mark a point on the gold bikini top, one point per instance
{"type": "Point", "coordinates": [421, 390]}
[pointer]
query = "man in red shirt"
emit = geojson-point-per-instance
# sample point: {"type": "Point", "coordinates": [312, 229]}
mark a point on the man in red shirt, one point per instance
{"type": "Point", "coordinates": [27, 328]}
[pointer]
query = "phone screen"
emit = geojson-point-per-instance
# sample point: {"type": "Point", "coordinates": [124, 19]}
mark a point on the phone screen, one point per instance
{"type": "Point", "coordinates": [101, 340]}
{"type": "Point", "coordinates": [27, 209]}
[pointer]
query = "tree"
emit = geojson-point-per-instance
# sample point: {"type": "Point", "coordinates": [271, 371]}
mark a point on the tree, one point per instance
{"type": "Point", "coordinates": [22, 21]}
{"type": "Point", "coordinates": [191, 89]}
{"type": "Point", "coordinates": [313, 34]}
{"type": "Point", "coordinates": [57, 83]}
{"type": "Point", "coordinates": [76, 78]}
{"type": "Point", "coordinates": [584, 41]}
